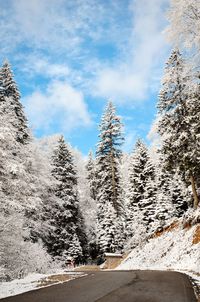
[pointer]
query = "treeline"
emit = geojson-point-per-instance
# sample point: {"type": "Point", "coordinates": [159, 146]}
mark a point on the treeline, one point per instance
{"type": "Point", "coordinates": [53, 205]}
{"type": "Point", "coordinates": [41, 222]}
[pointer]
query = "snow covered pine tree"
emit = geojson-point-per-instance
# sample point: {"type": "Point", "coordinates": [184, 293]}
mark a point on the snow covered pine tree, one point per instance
{"type": "Point", "coordinates": [109, 192]}
{"type": "Point", "coordinates": [18, 184]}
{"type": "Point", "coordinates": [179, 122]}
{"type": "Point", "coordinates": [141, 190]}
{"type": "Point", "coordinates": [10, 95]}
{"type": "Point", "coordinates": [91, 175]}
{"type": "Point", "coordinates": [68, 238]}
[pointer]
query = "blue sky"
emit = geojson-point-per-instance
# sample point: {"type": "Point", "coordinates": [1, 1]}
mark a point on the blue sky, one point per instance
{"type": "Point", "coordinates": [71, 56]}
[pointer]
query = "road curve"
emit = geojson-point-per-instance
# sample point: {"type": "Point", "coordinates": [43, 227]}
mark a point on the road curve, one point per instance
{"type": "Point", "coordinates": [115, 286]}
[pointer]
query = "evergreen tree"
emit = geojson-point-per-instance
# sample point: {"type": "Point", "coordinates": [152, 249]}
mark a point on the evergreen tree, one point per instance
{"type": "Point", "coordinates": [141, 190]}
{"type": "Point", "coordinates": [179, 122]}
{"type": "Point", "coordinates": [22, 192]}
{"type": "Point", "coordinates": [67, 237]}
{"type": "Point", "coordinates": [148, 204]}
{"type": "Point", "coordinates": [91, 175]}
{"type": "Point", "coordinates": [9, 94]}
{"type": "Point", "coordinates": [92, 186]}
{"type": "Point", "coordinates": [164, 206]}
{"type": "Point", "coordinates": [109, 191]}
{"type": "Point", "coordinates": [179, 195]}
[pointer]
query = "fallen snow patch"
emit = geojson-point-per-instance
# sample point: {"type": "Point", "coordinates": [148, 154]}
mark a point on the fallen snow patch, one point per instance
{"type": "Point", "coordinates": [32, 282]}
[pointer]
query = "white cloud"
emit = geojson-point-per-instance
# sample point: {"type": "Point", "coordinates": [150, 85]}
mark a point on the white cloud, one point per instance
{"type": "Point", "coordinates": [39, 65]}
{"type": "Point", "coordinates": [69, 31]}
{"type": "Point", "coordinates": [130, 140]}
{"type": "Point", "coordinates": [136, 73]}
{"type": "Point", "coordinates": [60, 106]}
{"type": "Point", "coordinates": [120, 84]}
{"type": "Point", "coordinates": [155, 139]}
{"type": "Point", "coordinates": [60, 26]}
{"type": "Point", "coordinates": [40, 23]}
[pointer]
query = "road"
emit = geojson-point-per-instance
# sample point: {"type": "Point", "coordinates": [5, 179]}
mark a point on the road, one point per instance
{"type": "Point", "coordinates": [114, 286]}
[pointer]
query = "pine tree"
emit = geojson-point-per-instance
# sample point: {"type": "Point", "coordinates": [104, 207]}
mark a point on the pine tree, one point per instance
{"type": "Point", "coordinates": [109, 191]}
{"type": "Point", "coordinates": [67, 237]}
{"type": "Point", "coordinates": [179, 195]}
{"type": "Point", "coordinates": [141, 190]}
{"type": "Point", "coordinates": [164, 206]}
{"type": "Point", "coordinates": [9, 94]}
{"type": "Point", "coordinates": [179, 122]}
{"type": "Point", "coordinates": [109, 228]}
{"type": "Point", "coordinates": [91, 175]}
{"type": "Point", "coordinates": [21, 191]}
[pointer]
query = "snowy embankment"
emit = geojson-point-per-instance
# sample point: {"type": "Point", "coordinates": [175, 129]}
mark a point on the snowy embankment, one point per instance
{"type": "Point", "coordinates": [176, 249]}
{"type": "Point", "coordinates": [35, 281]}
{"type": "Point", "coordinates": [172, 250]}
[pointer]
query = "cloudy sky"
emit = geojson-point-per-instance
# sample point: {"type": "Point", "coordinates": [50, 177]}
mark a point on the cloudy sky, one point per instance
{"type": "Point", "coordinates": [70, 56]}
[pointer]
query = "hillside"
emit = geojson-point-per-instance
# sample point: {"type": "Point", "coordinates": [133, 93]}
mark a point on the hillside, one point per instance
{"type": "Point", "coordinates": [176, 248]}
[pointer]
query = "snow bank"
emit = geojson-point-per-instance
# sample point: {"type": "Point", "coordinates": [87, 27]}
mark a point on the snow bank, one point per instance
{"type": "Point", "coordinates": [19, 286]}
{"type": "Point", "coordinates": [173, 250]}
{"type": "Point", "coordinates": [31, 282]}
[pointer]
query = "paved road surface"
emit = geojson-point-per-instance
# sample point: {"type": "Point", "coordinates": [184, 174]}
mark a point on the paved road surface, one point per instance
{"type": "Point", "coordinates": [114, 286]}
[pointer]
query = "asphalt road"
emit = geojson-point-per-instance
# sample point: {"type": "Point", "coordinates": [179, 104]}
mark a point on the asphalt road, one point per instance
{"type": "Point", "coordinates": [114, 286]}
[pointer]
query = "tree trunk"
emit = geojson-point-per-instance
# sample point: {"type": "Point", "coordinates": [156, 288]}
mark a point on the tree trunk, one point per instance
{"type": "Point", "coordinates": [113, 183]}
{"type": "Point", "coordinates": [194, 191]}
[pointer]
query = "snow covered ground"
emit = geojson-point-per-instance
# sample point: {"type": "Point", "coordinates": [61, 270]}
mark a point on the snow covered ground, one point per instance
{"type": "Point", "coordinates": [173, 250]}
{"type": "Point", "coordinates": [35, 281]}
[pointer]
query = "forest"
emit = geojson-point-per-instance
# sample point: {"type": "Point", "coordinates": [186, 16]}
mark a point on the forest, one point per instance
{"type": "Point", "coordinates": [55, 204]}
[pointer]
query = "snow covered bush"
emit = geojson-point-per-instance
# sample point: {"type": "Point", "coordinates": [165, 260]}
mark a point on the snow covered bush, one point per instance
{"type": "Point", "coordinates": [17, 256]}
{"type": "Point", "coordinates": [138, 238]}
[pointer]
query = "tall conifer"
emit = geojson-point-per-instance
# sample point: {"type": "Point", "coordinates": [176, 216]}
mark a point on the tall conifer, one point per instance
{"type": "Point", "coordinates": [9, 94]}
{"type": "Point", "coordinates": [109, 191]}
{"type": "Point", "coordinates": [179, 122]}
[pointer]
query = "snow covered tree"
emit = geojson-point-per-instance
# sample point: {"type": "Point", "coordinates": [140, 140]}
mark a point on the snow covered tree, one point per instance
{"type": "Point", "coordinates": [148, 204]}
{"type": "Point", "coordinates": [141, 193]}
{"type": "Point", "coordinates": [90, 206]}
{"type": "Point", "coordinates": [18, 257]}
{"type": "Point", "coordinates": [109, 191]}
{"type": "Point", "coordinates": [180, 196]}
{"type": "Point", "coordinates": [91, 175]}
{"type": "Point", "coordinates": [179, 122]}
{"type": "Point", "coordinates": [22, 191]}
{"type": "Point", "coordinates": [11, 97]}
{"type": "Point", "coordinates": [109, 229]}
{"type": "Point", "coordinates": [184, 17]}
{"type": "Point", "coordinates": [172, 196]}
{"type": "Point", "coordinates": [165, 209]}
{"type": "Point", "coordinates": [68, 236]}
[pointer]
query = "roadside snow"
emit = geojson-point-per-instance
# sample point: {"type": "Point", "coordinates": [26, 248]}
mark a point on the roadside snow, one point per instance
{"type": "Point", "coordinates": [173, 250]}
{"type": "Point", "coordinates": [30, 282]}
{"type": "Point", "coordinates": [19, 286]}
